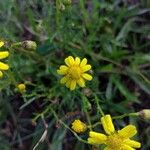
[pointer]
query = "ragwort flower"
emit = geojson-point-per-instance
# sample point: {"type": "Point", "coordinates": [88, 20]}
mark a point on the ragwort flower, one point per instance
{"type": "Point", "coordinates": [3, 54]}
{"type": "Point", "coordinates": [74, 72]}
{"type": "Point", "coordinates": [78, 126]}
{"type": "Point", "coordinates": [114, 140]}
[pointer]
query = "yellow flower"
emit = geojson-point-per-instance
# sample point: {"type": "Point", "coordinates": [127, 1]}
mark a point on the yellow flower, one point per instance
{"type": "Point", "coordinates": [21, 87]}
{"type": "Point", "coordinates": [78, 126]}
{"type": "Point", "coordinates": [3, 54]}
{"type": "Point", "coordinates": [74, 72]}
{"type": "Point", "coordinates": [114, 140]}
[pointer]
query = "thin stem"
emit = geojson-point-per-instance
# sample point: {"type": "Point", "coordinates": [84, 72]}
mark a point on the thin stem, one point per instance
{"type": "Point", "coordinates": [98, 106]}
{"type": "Point", "coordinates": [117, 117]}
{"type": "Point", "coordinates": [125, 115]}
{"type": "Point", "coordinates": [57, 13]}
{"type": "Point", "coordinates": [66, 126]}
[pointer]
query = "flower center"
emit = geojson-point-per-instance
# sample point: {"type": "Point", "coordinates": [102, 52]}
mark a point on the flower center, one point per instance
{"type": "Point", "coordinates": [114, 141]}
{"type": "Point", "coordinates": [74, 72]}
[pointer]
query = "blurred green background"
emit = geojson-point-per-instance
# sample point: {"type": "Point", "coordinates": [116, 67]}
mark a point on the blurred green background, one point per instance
{"type": "Point", "coordinates": [114, 35]}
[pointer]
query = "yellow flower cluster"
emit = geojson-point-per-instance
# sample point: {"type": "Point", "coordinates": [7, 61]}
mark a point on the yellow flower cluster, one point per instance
{"type": "Point", "coordinates": [78, 126]}
{"type": "Point", "coordinates": [3, 54]}
{"type": "Point", "coordinates": [114, 140]}
{"type": "Point", "coordinates": [74, 72]}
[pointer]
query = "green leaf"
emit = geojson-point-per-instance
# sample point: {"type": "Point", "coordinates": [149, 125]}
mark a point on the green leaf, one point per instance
{"type": "Point", "coordinates": [46, 48]}
{"type": "Point", "coordinates": [124, 91]}
{"type": "Point", "coordinates": [57, 140]}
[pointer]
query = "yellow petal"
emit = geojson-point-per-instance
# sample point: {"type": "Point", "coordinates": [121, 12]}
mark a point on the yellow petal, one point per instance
{"type": "Point", "coordinates": [1, 74]}
{"type": "Point", "coordinates": [62, 70]}
{"type": "Point", "coordinates": [126, 147]}
{"type": "Point", "coordinates": [73, 85]}
{"type": "Point", "coordinates": [132, 143]}
{"type": "Point", "coordinates": [81, 82]}
{"type": "Point", "coordinates": [86, 68]}
{"type": "Point", "coordinates": [127, 132]}
{"type": "Point", "coordinates": [107, 124]}
{"type": "Point", "coordinates": [3, 66]}
{"type": "Point", "coordinates": [68, 83]}
{"type": "Point", "coordinates": [77, 61]}
{"type": "Point", "coordinates": [87, 76]}
{"type": "Point", "coordinates": [83, 62]}
{"type": "Point", "coordinates": [1, 43]}
{"type": "Point", "coordinates": [4, 54]}
{"type": "Point", "coordinates": [63, 80]}
{"type": "Point", "coordinates": [96, 138]}
{"type": "Point", "coordinates": [63, 67]}
{"type": "Point", "coordinates": [69, 61]}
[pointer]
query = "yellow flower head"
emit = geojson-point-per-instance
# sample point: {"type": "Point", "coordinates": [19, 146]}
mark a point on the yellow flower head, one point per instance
{"type": "Point", "coordinates": [74, 72]}
{"type": "Point", "coordinates": [21, 87]}
{"type": "Point", "coordinates": [3, 54]}
{"type": "Point", "coordinates": [78, 126]}
{"type": "Point", "coordinates": [114, 140]}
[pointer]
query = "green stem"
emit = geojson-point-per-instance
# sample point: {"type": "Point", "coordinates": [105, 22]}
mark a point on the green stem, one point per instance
{"type": "Point", "coordinates": [66, 126]}
{"type": "Point", "coordinates": [117, 117]}
{"type": "Point", "coordinates": [88, 119]}
{"type": "Point", "coordinates": [98, 105]}
{"type": "Point", "coordinates": [57, 12]}
{"type": "Point", "coordinates": [125, 115]}
{"type": "Point", "coordinates": [15, 44]}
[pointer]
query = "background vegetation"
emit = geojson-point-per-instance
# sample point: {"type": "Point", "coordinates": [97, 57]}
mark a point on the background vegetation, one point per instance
{"type": "Point", "coordinates": [115, 37]}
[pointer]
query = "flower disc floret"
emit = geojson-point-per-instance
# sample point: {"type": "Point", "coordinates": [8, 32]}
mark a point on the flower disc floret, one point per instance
{"type": "Point", "coordinates": [74, 72]}
{"type": "Point", "coordinates": [114, 140]}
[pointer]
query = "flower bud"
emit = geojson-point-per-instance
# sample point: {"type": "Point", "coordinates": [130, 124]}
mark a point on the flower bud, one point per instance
{"type": "Point", "coordinates": [144, 114]}
{"type": "Point", "coordinates": [62, 7]}
{"type": "Point", "coordinates": [87, 92]}
{"type": "Point", "coordinates": [29, 45]}
{"type": "Point", "coordinates": [67, 2]}
{"type": "Point", "coordinates": [21, 88]}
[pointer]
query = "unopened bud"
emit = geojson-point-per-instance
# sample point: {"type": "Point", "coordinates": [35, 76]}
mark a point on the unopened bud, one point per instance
{"type": "Point", "coordinates": [87, 92]}
{"type": "Point", "coordinates": [29, 45]}
{"type": "Point", "coordinates": [21, 88]}
{"type": "Point", "coordinates": [144, 114]}
{"type": "Point", "coordinates": [62, 7]}
{"type": "Point", "coordinates": [67, 2]}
